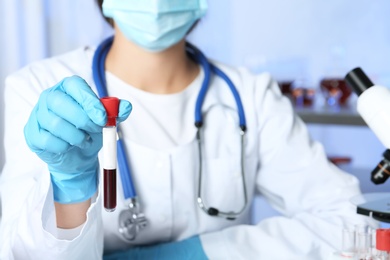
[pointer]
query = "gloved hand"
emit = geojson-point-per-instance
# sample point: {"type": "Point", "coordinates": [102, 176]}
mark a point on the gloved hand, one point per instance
{"type": "Point", "coordinates": [65, 131]}
{"type": "Point", "coordinates": [189, 249]}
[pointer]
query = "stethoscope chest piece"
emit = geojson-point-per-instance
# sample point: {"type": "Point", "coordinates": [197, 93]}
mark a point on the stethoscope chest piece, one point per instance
{"type": "Point", "coordinates": [131, 221]}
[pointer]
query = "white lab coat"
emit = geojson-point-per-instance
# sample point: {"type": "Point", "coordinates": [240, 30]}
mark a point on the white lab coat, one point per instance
{"type": "Point", "coordinates": [282, 164]}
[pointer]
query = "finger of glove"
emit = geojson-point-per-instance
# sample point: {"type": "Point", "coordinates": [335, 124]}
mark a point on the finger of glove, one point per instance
{"type": "Point", "coordinates": [82, 93]}
{"type": "Point", "coordinates": [62, 128]}
{"type": "Point", "coordinates": [39, 140]}
{"type": "Point", "coordinates": [125, 109]}
{"type": "Point", "coordinates": [67, 108]}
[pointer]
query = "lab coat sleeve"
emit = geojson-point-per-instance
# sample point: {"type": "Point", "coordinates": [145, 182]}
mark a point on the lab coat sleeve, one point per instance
{"type": "Point", "coordinates": [28, 227]}
{"type": "Point", "coordinates": [296, 178]}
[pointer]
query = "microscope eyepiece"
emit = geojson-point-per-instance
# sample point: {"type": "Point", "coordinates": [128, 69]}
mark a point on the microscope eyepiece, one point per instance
{"type": "Point", "coordinates": [358, 80]}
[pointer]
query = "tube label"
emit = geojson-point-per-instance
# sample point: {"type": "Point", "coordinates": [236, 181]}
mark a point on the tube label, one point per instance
{"type": "Point", "coordinates": [109, 148]}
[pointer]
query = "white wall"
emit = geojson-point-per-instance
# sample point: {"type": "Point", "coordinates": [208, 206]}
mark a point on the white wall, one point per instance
{"type": "Point", "coordinates": [316, 36]}
{"type": "Point", "coordinates": [306, 39]}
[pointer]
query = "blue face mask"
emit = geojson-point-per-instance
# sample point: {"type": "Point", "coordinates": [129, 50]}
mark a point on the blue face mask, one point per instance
{"type": "Point", "coordinates": [155, 25]}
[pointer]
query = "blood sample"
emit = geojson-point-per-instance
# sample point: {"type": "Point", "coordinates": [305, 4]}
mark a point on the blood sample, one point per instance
{"type": "Point", "coordinates": [111, 104]}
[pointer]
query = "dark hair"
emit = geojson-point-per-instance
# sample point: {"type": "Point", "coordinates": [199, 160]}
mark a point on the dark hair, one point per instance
{"type": "Point", "coordinates": [108, 20]}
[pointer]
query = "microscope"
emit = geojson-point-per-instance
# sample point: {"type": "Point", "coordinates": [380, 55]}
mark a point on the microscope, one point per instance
{"type": "Point", "coordinates": [373, 105]}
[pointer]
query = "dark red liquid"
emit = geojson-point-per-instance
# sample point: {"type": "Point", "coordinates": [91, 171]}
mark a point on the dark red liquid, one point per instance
{"type": "Point", "coordinates": [109, 189]}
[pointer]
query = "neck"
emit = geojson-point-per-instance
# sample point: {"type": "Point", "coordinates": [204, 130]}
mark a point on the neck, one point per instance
{"type": "Point", "coordinates": [165, 72]}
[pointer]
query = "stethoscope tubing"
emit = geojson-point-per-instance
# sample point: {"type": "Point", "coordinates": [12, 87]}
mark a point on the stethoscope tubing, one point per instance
{"type": "Point", "coordinates": [98, 66]}
{"type": "Point", "coordinates": [208, 67]}
{"type": "Point", "coordinates": [98, 69]}
{"type": "Point", "coordinates": [240, 107]}
{"type": "Point", "coordinates": [128, 190]}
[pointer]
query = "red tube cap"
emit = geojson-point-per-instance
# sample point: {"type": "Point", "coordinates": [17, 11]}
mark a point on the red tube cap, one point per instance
{"type": "Point", "coordinates": [111, 104]}
{"type": "Point", "coordinates": [383, 239]}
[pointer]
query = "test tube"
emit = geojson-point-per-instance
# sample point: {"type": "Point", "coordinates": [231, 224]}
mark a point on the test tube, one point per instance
{"type": "Point", "coordinates": [111, 104]}
{"type": "Point", "coordinates": [348, 248]}
{"type": "Point", "coordinates": [383, 243]}
{"type": "Point", "coordinates": [363, 245]}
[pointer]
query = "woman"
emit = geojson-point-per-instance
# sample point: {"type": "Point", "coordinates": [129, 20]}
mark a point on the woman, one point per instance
{"type": "Point", "coordinates": [52, 203]}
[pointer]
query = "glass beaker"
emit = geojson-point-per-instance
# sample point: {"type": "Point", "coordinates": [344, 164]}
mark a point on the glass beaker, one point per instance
{"type": "Point", "coordinates": [302, 94]}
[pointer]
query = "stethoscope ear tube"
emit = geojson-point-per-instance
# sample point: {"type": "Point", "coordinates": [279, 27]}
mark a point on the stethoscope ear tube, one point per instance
{"type": "Point", "coordinates": [98, 69]}
{"type": "Point", "coordinates": [208, 67]}
{"type": "Point", "coordinates": [236, 96]}
{"type": "Point", "coordinates": [198, 56]}
{"type": "Point", "coordinates": [128, 190]}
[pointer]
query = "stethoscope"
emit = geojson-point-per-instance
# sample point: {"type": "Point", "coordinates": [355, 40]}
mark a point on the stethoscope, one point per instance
{"type": "Point", "coordinates": [132, 220]}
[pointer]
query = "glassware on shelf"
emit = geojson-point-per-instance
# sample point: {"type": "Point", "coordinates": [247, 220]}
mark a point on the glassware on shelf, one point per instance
{"type": "Point", "coordinates": [335, 91]}
{"type": "Point", "coordinates": [302, 94]}
{"type": "Point", "coordinates": [285, 87]}
{"type": "Point", "coordinates": [298, 92]}
{"type": "Point", "coordinates": [340, 160]}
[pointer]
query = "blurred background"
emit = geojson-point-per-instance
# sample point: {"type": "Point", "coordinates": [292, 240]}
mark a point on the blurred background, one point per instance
{"type": "Point", "coordinates": [308, 46]}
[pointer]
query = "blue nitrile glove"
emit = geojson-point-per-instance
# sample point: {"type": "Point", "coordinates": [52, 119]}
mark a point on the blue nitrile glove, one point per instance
{"type": "Point", "coordinates": [189, 249]}
{"type": "Point", "coordinates": [65, 131]}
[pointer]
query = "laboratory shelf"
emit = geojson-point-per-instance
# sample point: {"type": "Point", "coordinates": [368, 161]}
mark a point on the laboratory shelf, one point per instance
{"type": "Point", "coordinates": [330, 115]}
